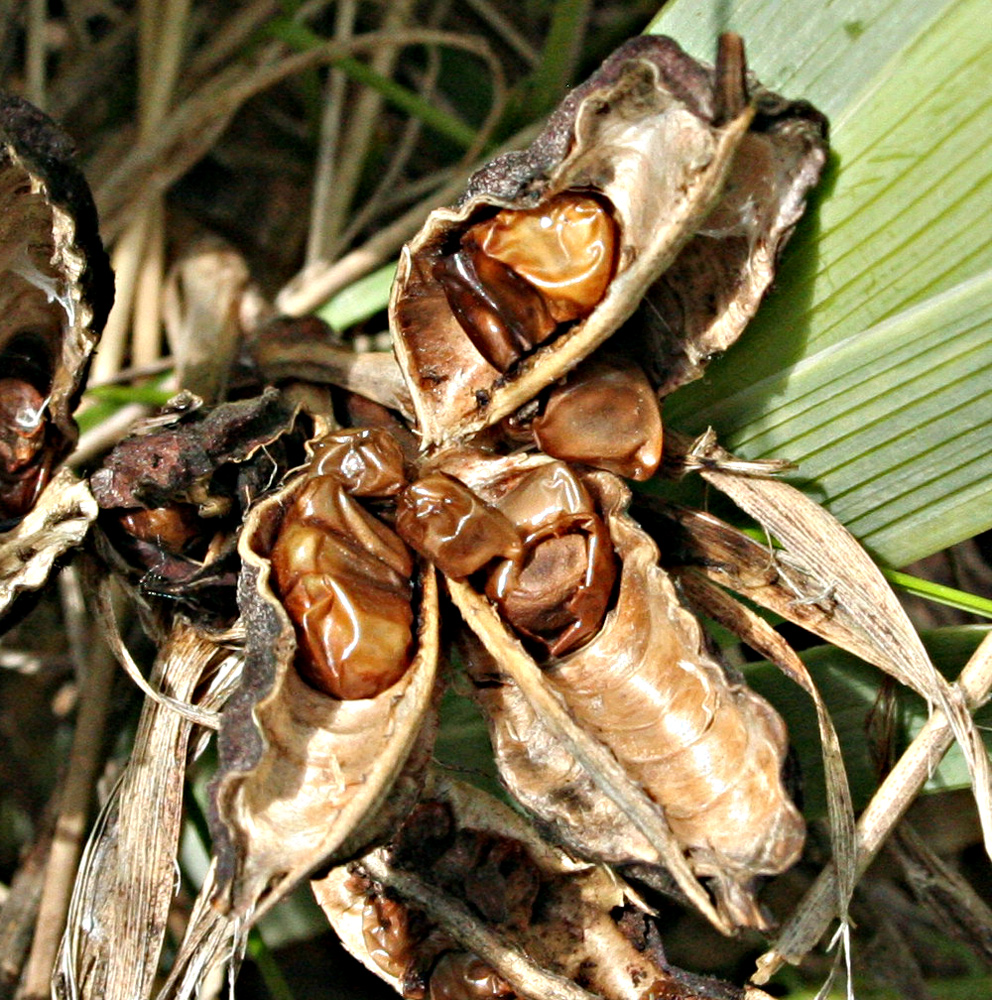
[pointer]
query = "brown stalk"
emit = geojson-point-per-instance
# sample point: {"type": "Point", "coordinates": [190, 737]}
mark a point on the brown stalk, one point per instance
{"type": "Point", "coordinates": [812, 917]}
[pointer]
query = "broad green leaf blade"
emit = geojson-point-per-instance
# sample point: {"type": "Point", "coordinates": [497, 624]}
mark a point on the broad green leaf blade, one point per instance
{"type": "Point", "coordinates": [870, 362]}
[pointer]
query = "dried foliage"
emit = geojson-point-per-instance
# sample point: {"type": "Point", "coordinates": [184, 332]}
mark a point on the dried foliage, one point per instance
{"type": "Point", "coordinates": [318, 541]}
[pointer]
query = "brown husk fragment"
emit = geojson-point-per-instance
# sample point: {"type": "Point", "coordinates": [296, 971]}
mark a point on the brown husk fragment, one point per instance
{"type": "Point", "coordinates": [681, 158]}
{"type": "Point", "coordinates": [468, 877]}
{"type": "Point", "coordinates": [306, 779]}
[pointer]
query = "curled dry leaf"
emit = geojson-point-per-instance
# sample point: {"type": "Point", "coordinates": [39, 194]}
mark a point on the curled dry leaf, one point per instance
{"type": "Point", "coordinates": [306, 777]}
{"type": "Point", "coordinates": [56, 289]}
{"type": "Point", "coordinates": [465, 868]}
{"type": "Point", "coordinates": [120, 905]}
{"type": "Point", "coordinates": [640, 680]}
{"type": "Point", "coordinates": [57, 525]}
{"type": "Point", "coordinates": [552, 249]}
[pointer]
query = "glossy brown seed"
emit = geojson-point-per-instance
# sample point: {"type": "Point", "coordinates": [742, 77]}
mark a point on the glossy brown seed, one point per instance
{"type": "Point", "coordinates": [605, 414]}
{"type": "Point", "coordinates": [387, 935]}
{"type": "Point", "coordinates": [522, 272]}
{"type": "Point", "coordinates": [447, 523]}
{"type": "Point", "coordinates": [344, 579]}
{"type": "Point", "coordinates": [24, 468]}
{"type": "Point", "coordinates": [501, 313]}
{"type": "Point", "coordinates": [367, 461]}
{"type": "Point", "coordinates": [566, 249]}
{"type": "Point", "coordinates": [558, 592]}
{"type": "Point", "coordinates": [463, 976]}
{"type": "Point", "coordinates": [172, 529]}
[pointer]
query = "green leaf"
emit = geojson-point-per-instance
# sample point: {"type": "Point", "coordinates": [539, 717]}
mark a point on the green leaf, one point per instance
{"type": "Point", "coordinates": [869, 364]}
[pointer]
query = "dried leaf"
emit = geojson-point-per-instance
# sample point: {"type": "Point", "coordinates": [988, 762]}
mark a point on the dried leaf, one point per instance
{"type": "Point", "coordinates": [124, 889]}
{"type": "Point", "coordinates": [872, 622]}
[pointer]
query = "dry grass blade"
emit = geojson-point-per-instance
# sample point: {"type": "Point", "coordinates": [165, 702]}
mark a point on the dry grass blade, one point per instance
{"type": "Point", "coordinates": [812, 917]}
{"type": "Point", "coordinates": [125, 887]}
{"type": "Point", "coordinates": [70, 829]}
{"type": "Point", "coordinates": [868, 620]}
{"type": "Point", "coordinates": [192, 128]}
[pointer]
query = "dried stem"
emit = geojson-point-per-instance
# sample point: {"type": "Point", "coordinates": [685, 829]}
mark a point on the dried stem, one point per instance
{"type": "Point", "coordinates": [812, 917]}
{"type": "Point", "coordinates": [70, 828]}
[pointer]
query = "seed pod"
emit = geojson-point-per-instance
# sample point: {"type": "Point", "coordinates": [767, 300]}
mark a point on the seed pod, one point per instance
{"type": "Point", "coordinates": [565, 928]}
{"type": "Point", "coordinates": [56, 289]}
{"type": "Point", "coordinates": [705, 748]}
{"type": "Point", "coordinates": [55, 292]}
{"type": "Point", "coordinates": [307, 778]}
{"type": "Point", "coordinates": [552, 249]}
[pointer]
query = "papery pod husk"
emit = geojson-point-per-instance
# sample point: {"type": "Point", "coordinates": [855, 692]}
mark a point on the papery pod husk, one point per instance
{"type": "Point", "coordinates": [304, 779]}
{"type": "Point", "coordinates": [645, 132]}
{"type": "Point", "coordinates": [56, 289]}
{"type": "Point", "coordinates": [571, 940]}
{"type": "Point", "coordinates": [726, 805]}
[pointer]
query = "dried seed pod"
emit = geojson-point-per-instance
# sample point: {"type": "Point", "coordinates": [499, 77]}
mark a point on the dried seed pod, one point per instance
{"type": "Point", "coordinates": [56, 289]}
{"type": "Point", "coordinates": [553, 248]}
{"type": "Point", "coordinates": [173, 494]}
{"type": "Point", "coordinates": [564, 931]}
{"type": "Point", "coordinates": [703, 746]}
{"type": "Point", "coordinates": [606, 414]}
{"type": "Point", "coordinates": [307, 778]}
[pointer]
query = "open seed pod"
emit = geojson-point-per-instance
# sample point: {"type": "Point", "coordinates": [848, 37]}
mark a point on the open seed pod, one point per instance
{"type": "Point", "coordinates": [627, 669]}
{"type": "Point", "coordinates": [505, 916]}
{"type": "Point", "coordinates": [56, 289]}
{"type": "Point", "coordinates": [321, 746]}
{"type": "Point", "coordinates": [553, 248]}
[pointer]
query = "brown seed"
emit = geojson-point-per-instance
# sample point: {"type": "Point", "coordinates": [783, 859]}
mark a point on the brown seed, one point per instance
{"type": "Point", "coordinates": [367, 462]}
{"type": "Point", "coordinates": [172, 529]}
{"type": "Point", "coordinates": [463, 976]}
{"type": "Point", "coordinates": [520, 274]}
{"type": "Point", "coordinates": [344, 579]}
{"type": "Point", "coordinates": [606, 415]}
{"type": "Point", "coordinates": [447, 523]}
{"type": "Point", "coordinates": [558, 592]}
{"type": "Point", "coordinates": [501, 313]}
{"type": "Point", "coordinates": [24, 468]}
{"type": "Point", "coordinates": [386, 930]}
{"type": "Point", "coordinates": [565, 248]}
